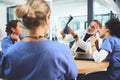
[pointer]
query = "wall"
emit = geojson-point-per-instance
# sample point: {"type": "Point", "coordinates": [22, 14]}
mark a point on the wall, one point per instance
{"type": "Point", "coordinates": [3, 21]}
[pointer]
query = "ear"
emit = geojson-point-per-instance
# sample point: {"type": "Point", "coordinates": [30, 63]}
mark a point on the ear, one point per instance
{"type": "Point", "coordinates": [48, 19]}
{"type": "Point", "coordinates": [107, 30]}
{"type": "Point", "coordinates": [13, 30]}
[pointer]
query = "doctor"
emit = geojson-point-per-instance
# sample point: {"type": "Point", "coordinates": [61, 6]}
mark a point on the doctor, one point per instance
{"type": "Point", "coordinates": [82, 39]}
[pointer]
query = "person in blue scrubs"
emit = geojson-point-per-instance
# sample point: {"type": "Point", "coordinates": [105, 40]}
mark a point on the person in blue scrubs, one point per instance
{"type": "Point", "coordinates": [36, 57]}
{"type": "Point", "coordinates": [14, 30]}
{"type": "Point", "coordinates": [110, 50]}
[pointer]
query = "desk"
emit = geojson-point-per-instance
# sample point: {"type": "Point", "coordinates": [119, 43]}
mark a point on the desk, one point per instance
{"type": "Point", "coordinates": [90, 66]}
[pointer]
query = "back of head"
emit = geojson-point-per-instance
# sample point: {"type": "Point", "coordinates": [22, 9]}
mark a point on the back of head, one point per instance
{"type": "Point", "coordinates": [33, 13]}
{"type": "Point", "coordinates": [11, 24]}
{"type": "Point", "coordinates": [114, 26]}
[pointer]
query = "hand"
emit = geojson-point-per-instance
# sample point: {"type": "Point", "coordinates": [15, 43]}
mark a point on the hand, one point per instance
{"type": "Point", "coordinates": [62, 33]}
{"type": "Point", "coordinates": [70, 31]}
{"type": "Point", "coordinates": [15, 37]}
{"type": "Point", "coordinates": [94, 42]}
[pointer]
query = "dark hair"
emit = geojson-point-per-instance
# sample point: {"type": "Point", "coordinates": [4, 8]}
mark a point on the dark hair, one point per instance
{"type": "Point", "coordinates": [98, 22]}
{"type": "Point", "coordinates": [11, 24]}
{"type": "Point", "coordinates": [114, 26]}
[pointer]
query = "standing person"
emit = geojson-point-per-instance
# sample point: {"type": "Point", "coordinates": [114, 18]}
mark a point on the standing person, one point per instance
{"type": "Point", "coordinates": [35, 57]}
{"type": "Point", "coordinates": [82, 39]}
{"type": "Point", "coordinates": [110, 50]}
{"type": "Point", "coordinates": [14, 30]}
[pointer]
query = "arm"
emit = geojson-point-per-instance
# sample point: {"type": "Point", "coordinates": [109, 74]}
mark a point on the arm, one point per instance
{"type": "Point", "coordinates": [68, 37]}
{"type": "Point", "coordinates": [1, 68]}
{"type": "Point", "coordinates": [5, 44]}
{"type": "Point", "coordinates": [83, 45]}
{"type": "Point", "coordinates": [9, 41]}
{"type": "Point", "coordinates": [72, 70]}
{"type": "Point", "coordinates": [15, 37]}
{"type": "Point", "coordinates": [100, 56]}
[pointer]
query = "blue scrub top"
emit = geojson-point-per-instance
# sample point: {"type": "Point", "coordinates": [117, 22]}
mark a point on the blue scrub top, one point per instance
{"type": "Point", "coordinates": [41, 60]}
{"type": "Point", "coordinates": [7, 42]}
{"type": "Point", "coordinates": [112, 45]}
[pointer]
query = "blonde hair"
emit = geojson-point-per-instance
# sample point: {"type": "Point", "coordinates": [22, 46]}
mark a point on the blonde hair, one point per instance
{"type": "Point", "coordinates": [33, 13]}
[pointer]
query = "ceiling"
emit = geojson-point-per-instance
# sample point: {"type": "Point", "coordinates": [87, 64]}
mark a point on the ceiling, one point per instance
{"type": "Point", "coordinates": [11, 2]}
{"type": "Point", "coordinates": [74, 7]}
{"type": "Point", "coordinates": [111, 5]}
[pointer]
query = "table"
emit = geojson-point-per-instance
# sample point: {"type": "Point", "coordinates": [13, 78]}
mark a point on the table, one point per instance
{"type": "Point", "coordinates": [85, 66]}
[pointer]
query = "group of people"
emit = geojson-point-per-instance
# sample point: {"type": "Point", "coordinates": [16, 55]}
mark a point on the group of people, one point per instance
{"type": "Point", "coordinates": [34, 57]}
{"type": "Point", "coordinates": [82, 39]}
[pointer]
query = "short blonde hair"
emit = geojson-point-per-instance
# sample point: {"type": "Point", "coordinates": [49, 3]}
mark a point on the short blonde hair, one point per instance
{"type": "Point", "coordinates": [33, 13]}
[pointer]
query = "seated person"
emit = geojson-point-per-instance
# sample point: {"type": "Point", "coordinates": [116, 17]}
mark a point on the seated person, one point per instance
{"type": "Point", "coordinates": [110, 50]}
{"type": "Point", "coordinates": [82, 39]}
{"type": "Point", "coordinates": [14, 30]}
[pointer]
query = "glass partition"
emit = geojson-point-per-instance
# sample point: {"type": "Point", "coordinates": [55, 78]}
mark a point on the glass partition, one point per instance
{"type": "Point", "coordinates": [60, 12]}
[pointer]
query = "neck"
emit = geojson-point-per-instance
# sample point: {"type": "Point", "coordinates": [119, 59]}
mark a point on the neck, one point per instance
{"type": "Point", "coordinates": [34, 38]}
{"type": "Point", "coordinates": [36, 35]}
{"type": "Point", "coordinates": [39, 31]}
{"type": "Point", "coordinates": [107, 35]}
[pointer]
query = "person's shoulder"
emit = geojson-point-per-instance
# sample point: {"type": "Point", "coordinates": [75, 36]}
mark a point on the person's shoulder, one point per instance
{"type": "Point", "coordinates": [115, 38]}
{"type": "Point", "coordinates": [58, 45]}
{"type": "Point", "coordinates": [7, 38]}
{"type": "Point", "coordinates": [15, 46]}
{"type": "Point", "coordinates": [112, 39]}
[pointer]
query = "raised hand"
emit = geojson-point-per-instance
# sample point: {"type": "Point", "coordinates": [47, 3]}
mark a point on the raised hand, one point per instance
{"type": "Point", "coordinates": [15, 37]}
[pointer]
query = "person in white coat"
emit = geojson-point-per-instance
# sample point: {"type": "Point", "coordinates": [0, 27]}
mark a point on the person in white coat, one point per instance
{"type": "Point", "coordinates": [82, 39]}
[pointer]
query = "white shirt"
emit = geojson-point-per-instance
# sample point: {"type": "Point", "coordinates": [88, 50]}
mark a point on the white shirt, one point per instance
{"type": "Point", "coordinates": [85, 45]}
{"type": "Point", "coordinates": [100, 56]}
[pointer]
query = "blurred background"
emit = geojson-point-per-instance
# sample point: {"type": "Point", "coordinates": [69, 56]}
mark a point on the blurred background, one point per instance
{"type": "Point", "coordinates": [83, 11]}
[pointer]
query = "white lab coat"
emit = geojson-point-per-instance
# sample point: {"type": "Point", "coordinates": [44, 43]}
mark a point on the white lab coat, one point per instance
{"type": "Point", "coordinates": [85, 45]}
